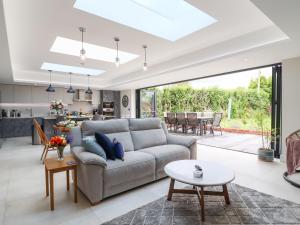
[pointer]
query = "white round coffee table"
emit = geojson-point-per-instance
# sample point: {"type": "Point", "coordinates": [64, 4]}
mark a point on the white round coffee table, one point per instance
{"type": "Point", "coordinates": [214, 174]}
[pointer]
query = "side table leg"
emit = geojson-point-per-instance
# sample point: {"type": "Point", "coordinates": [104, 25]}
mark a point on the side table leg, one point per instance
{"type": "Point", "coordinates": [51, 192]}
{"type": "Point", "coordinates": [68, 180]}
{"type": "Point", "coordinates": [171, 188]}
{"type": "Point", "coordinates": [75, 184]}
{"type": "Point", "coordinates": [226, 195]}
{"type": "Point", "coordinates": [47, 181]}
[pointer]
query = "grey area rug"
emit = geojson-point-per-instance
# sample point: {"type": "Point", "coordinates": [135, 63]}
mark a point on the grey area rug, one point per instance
{"type": "Point", "coordinates": [247, 207]}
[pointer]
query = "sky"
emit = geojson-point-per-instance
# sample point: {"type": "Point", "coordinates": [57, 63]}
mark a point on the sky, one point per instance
{"type": "Point", "coordinates": [231, 81]}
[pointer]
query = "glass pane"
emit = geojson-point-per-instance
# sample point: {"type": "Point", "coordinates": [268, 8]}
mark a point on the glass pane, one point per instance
{"type": "Point", "coordinates": [148, 104]}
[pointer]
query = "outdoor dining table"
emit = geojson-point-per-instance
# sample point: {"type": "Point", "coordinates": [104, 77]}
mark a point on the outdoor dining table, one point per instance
{"type": "Point", "coordinates": [201, 120]}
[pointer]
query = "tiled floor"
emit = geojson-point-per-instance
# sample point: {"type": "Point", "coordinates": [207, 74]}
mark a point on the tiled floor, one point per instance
{"type": "Point", "coordinates": [22, 190]}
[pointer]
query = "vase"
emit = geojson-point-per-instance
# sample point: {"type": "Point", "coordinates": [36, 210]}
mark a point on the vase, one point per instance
{"type": "Point", "coordinates": [60, 153]}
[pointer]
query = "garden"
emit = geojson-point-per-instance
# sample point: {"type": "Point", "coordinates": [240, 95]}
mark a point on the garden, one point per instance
{"type": "Point", "coordinates": [244, 108]}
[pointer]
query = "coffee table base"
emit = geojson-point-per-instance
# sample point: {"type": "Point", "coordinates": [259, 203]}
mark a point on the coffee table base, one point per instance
{"type": "Point", "coordinates": [199, 191]}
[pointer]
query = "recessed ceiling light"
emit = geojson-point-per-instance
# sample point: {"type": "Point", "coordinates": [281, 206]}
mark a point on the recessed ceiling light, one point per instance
{"type": "Point", "coordinates": [168, 19]}
{"type": "Point", "coordinates": [72, 47]}
{"type": "Point", "coordinates": [70, 69]}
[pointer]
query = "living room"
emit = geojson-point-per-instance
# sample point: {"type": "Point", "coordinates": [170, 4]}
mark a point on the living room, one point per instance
{"type": "Point", "coordinates": [77, 146]}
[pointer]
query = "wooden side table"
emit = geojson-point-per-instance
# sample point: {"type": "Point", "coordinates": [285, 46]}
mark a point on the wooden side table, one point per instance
{"type": "Point", "coordinates": [52, 165]}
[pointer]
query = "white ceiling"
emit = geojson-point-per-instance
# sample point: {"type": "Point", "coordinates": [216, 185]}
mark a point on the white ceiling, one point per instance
{"type": "Point", "coordinates": [247, 34]}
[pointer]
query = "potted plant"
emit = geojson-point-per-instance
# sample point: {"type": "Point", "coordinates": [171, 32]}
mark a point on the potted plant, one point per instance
{"type": "Point", "coordinates": [265, 152]}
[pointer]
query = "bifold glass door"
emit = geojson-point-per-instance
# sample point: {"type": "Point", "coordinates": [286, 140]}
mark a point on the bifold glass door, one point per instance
{"type": "Point", "coordinates": [147, 103]}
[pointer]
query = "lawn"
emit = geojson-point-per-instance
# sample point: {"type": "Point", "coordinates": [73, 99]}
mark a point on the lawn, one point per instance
{"type": "Point", "coordinates": [243, 124]}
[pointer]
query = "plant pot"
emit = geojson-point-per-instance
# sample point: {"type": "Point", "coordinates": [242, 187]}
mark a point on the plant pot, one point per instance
{"type": "Point", "coordinates": [266, 154]}
{"type": "Point", "coordinates": [60, 153]}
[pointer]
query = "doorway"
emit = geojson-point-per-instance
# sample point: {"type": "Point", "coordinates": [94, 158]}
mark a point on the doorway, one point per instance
{"type": "Point", "coordinates": [249, 100]}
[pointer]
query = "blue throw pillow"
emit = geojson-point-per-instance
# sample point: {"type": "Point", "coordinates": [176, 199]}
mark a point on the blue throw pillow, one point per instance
{"type": "Point", "coordinates": [119, 149]}
{"type": "Point", "coordinates": [90, 144]}
{"type": "Point", "coordinates": [106, 144]}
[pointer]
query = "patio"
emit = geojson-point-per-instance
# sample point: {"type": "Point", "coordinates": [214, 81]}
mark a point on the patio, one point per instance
{"type": "Point", "coordinates": [248, 143]}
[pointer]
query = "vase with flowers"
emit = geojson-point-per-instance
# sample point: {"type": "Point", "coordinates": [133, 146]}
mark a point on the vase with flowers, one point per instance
{"type": "Point", "coordinates": [60, 142]}
{"type": "Point", "coordinates": [57, 106]}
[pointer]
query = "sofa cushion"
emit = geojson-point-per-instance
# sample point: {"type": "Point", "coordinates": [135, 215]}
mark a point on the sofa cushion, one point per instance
{"type": "Point", "coordinates": [136, 166]}
{"type": "Point", "coordinates": [144, 124]}
{"type": "Point", "coordinates": [147, 133]}
{"type": "Point", "coordinates": [119, 150]}
{"type": "Point", "coordinates": [118, 128]}
{"type": "Point", "coordinates": [164, 154]}
{"type": "Point", "coordinates": [106, 144]}
{"type": "Point", "coordinates": [106, 126]}
{"type": "Point", "coordinates": [148, 138]}
{"type": "Point", "coordinates": [90, 144]}
{"type": "Point", "coordinates": [124, 138]}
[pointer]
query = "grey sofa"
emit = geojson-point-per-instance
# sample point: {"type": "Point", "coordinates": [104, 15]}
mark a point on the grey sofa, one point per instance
{"type": "Point", "coordinates": [148, 148]}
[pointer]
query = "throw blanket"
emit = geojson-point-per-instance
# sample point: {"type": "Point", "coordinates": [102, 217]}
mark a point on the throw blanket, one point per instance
{"type": "Point", "coordinates": [292, 155]}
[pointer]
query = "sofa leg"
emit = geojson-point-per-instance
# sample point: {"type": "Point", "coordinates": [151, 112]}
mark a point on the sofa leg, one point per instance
{"type": "Point", "coordinates": [95, 203]}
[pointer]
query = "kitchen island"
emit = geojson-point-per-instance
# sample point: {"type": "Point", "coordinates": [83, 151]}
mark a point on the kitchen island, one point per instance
{"type": "Point", "coordinates": [23, 126]}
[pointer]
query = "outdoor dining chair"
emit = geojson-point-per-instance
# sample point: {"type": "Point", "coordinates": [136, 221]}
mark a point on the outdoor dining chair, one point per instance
{"type": "Point", "coordinates": [171, 120]}
{"type": "Point", "coordinates": [181, 122]}
{"type": "Point", "coordinates": [193, 123]}
{"type": "Point", "coordinates": [216, 123]}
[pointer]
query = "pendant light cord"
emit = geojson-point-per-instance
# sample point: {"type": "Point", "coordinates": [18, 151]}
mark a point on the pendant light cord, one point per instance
{"type": "Point", "coordinates": [145, 50]}
{"type": "Point", "coordinates": [70, 79]}
{"type": "Point", "coordinates": [50, 71]}
{"type": "Point", "coordinates": [82, 39]}
{"type": "Point", "coordinates": [117, 49]}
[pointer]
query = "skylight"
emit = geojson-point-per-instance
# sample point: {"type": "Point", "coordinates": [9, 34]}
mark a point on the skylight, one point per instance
{"type": "Point", "coordinates": [72, 69]}
{"type": "Point", "coordinates": [72, 47]}
{"type": "Point", "coordinates": [168, 19]}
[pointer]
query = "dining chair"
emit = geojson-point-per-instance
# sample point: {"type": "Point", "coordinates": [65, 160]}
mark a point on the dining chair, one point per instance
{"type": "Point", "coordinates": [44, 140]}
{"type": "Point", "coordinates": [216, 123]}
{"type": "Point", "coordinates": [193, 123]}
{"type": "Point", "coordinates": [98, 117]}
{"type": "Point", "coordinates": [181, 122]}
{"type": "Point", "coordinates": [171, 120]}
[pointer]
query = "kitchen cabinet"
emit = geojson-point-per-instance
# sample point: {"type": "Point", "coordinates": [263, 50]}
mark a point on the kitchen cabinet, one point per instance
{"type": "Point", "coordinates": [39, 95]}
{"type": "Point", "coordinates": [7, 93]}
{"type": "Point", "coordinates": [96, 98]}
{"type": "Point", "coordinates": [22, 94]}
{"type": "Point", "coordinates": [16, 127]}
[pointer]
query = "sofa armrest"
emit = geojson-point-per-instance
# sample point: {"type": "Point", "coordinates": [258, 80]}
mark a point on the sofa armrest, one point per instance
{"type": "Point", "coordinates": [181, 140]}
{"type": "Point", "coordinates": [87, 158]}
{"type": "Point", "coordinates": [188, 142]}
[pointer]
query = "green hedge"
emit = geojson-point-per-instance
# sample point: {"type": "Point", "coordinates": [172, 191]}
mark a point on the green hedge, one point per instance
{"type": "Point", "coordinates": [245, 101]}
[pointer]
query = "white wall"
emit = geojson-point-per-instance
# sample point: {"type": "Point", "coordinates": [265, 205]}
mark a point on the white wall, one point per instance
{"type": "Point", "coordinates": [290, 99]}
{"type": "Point", "coordinates": [129, 111]}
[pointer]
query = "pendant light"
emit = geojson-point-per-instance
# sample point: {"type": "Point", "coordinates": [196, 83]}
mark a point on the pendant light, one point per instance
{"type": "Point", "coordinates": [82, 51]}
{"type": "Point", "coordinates": [89, 90]}
{"type": "Point", "coordinates": [117, 61]}
{"type": "Point", "coordinates": [50, 88]}
{"type": "Point", "coordinates": [71, 90]}
{"type": "Point", "coordinates": [145, 67]}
